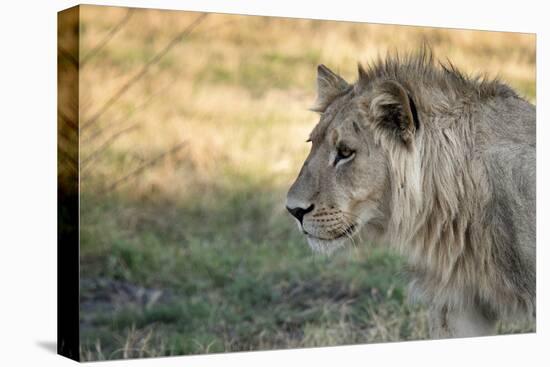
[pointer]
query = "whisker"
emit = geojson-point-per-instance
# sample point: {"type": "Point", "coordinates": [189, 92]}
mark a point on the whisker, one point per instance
{"type": "Point", "coordinates": [346, 229]}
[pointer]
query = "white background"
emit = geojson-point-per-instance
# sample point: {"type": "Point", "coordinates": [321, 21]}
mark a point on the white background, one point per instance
{"type": "Point", "coordinates": [28, 182]}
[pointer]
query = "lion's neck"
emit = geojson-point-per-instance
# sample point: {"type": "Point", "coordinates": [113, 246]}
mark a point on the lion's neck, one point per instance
{"type": "Point", "coordinates": [433, 193]}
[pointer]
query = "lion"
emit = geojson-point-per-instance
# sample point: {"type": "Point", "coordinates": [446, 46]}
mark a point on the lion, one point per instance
{"type": "Point", "coordinates": [441, 167]}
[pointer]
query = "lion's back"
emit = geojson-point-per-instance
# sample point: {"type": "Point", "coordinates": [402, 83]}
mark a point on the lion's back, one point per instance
{"type": "Point", "coordinates": [505, 121]}
{"type": "Point", "coordinates": [509, 156]}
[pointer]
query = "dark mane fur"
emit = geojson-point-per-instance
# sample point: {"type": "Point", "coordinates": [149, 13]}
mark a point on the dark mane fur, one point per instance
{"type": "Point", "coordinates": [423, 76]}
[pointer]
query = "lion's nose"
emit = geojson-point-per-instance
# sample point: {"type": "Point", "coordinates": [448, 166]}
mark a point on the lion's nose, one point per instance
{"type": "Point", "coordinates": [298, 212]}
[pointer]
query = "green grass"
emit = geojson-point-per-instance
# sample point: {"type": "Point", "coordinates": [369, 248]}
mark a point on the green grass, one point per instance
{"type": "Point", "coordinates": [232, 286]}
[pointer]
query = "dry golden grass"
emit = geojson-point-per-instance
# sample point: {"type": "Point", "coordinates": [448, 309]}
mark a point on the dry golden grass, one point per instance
{"type": "Point", "coordinates": [240, 82]}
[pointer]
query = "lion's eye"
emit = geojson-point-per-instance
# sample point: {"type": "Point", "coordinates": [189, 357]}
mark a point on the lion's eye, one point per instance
{"type": "Point", "coordinates": [343, 153]}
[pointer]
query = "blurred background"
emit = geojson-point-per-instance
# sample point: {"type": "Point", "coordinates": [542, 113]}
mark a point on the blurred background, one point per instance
{"type": "Point", "coordinates": [192, 128]}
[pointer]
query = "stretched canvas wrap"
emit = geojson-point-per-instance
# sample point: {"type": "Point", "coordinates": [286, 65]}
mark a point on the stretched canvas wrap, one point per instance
{"type": "Point", "coordinates": [241, 183]}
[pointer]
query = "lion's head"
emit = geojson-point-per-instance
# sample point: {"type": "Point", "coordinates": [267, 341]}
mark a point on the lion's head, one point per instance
{"type": "Point", "coordinates": [344, 184]}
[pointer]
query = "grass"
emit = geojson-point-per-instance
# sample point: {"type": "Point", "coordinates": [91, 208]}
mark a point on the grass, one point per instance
{"type": "Point", "coordinates": [237, 288]}
{"type": "Point", "coordinates": [196, 253]}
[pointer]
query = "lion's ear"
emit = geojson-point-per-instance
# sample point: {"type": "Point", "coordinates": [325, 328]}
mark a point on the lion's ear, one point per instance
{"type": "Point", "coordinates": [393, 108]}
{"type": "Point", "coordinates": [329, 86]}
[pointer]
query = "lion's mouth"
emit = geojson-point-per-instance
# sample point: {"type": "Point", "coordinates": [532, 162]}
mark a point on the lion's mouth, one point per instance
{"type": "Point", "coordinates": [348, 233]}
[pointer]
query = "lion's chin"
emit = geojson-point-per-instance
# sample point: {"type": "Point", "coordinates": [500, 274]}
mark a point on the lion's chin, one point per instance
{"type": "Point", "coordinates": [326, 247]}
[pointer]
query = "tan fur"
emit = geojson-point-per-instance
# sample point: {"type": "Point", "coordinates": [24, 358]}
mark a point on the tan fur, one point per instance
{"type": "Point", "coordinates": [434, 178]}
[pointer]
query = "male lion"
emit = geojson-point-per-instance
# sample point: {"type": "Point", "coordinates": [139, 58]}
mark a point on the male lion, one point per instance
{"type": "Point", "coordinates": [439, 165]}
